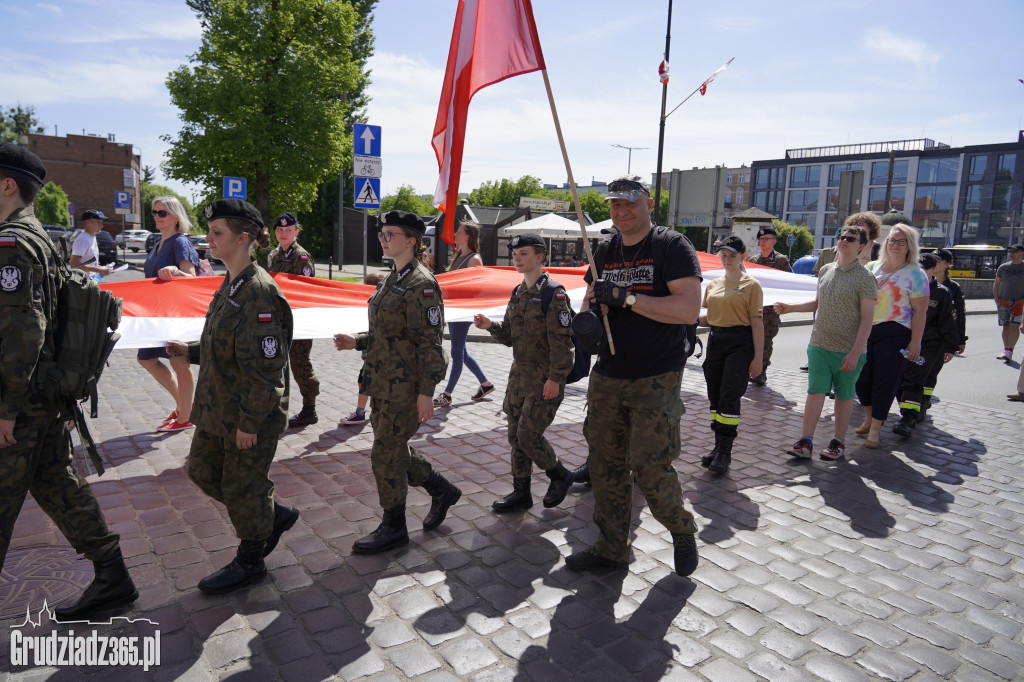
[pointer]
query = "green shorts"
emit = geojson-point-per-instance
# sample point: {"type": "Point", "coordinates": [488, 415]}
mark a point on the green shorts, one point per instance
{"type": "Point", "coordinates": [825, 375]}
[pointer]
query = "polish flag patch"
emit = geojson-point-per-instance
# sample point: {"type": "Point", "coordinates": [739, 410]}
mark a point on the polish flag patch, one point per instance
{"type": "Point", "coordinates": [428, 293]}
{"type": "Point", "coordinates": [560, 296]}
{"type": "Point", "coordinates": [265, 317]}
{"type": "Point", "coordinates": [8, 241]}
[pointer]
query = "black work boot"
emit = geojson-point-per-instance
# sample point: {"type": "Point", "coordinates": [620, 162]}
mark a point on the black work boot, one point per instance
{"type": "Point", "coordinates": [391, 533]}
{"type": "Point", "coordinates": [721, 463]}
{"type": "Point", "coordinates": [111, 587]}
{"type": "Point", "coordinates": [582, 474]}
{"type": "Point", "coordinates": [245, 569]}
{"type": "Point", "coordinates": [685, 546]}
{"type": "Point", "coordinates": [305, 417]}
{"type": "Point", "coordinates": [442, 496]}
{"type": "Point", "coordinates": [905, 426]}
{"type": "Point", "coordinates": [707, 459]}
{"type": "Point", "coordinates": [519, 498]}
{"type": "Point", "coordinates": [284, 518]}
{"type": "Point", "coordinates": [561, 480]}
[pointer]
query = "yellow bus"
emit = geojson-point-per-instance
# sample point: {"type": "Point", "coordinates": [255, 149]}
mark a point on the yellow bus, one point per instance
{"type": "Point", "coordinates": [976, 261]}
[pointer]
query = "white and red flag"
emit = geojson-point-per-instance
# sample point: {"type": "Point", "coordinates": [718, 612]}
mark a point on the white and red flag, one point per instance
{"type": "Point", "coordinates": [492, 40]}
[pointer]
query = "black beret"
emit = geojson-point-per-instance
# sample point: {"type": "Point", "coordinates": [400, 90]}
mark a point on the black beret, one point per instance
{"type": "Point", "coordinates": [927, 261]}
{"type": "Point", "coordinates": [18, 158]}
{"type": "Point", "coordinates": [527, 239]}
{"type": "Point", "coordinates": [401, 219]}
{"type": "Point", "coordinates": [734, 244]}
{"type": "Point", "coordinates": [233, 208]}
{"type": "Point", "coordinates": [93, 215]}
{"type": "Point", "coordinates": [286, 220]}
{"type": "Point", "coordinates": [767, 229]}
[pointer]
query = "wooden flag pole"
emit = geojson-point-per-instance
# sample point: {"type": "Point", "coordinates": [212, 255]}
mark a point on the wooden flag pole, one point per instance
{"type": "Point", "coordinates": [576, 201]}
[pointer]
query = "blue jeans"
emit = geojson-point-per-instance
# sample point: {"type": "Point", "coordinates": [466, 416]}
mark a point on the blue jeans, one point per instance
{"type": "Point", "coordinates": [459, 331]}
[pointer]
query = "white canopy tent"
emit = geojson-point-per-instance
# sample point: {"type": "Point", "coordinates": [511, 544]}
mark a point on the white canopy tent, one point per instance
{"type": "Point", "coordinates": [554, 226]}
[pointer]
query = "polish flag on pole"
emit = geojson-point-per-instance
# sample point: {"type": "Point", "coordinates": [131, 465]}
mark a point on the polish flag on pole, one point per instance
{"type": "Point", "coordinates": [492, 40]}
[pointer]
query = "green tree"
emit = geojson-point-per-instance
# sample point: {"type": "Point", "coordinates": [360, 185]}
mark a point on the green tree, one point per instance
{"type": "Point", "coordinates": [591, 202]}
{"type": "Point", "coordinates": [150, 190]}
{"type": "Point", "coordinates": [406, 199]}
{"type": "Point", "coordinates": [271, 96]}
{"type": "Point", "coordinates": [148, 174]}
{"type": "Point", "coordinates": [52, 205]}
{"type": "Point", "coordinates": [894, 217]}
{"type": "Point", "coordinates": [506, 192]}
{"type": "Point", "coordinates": [18, 121]}
{"type": "Point", "coordinates": [803, 245]}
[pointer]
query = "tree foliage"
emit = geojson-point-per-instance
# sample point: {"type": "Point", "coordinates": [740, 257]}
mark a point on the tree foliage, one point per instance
{"type": "Point", "coordinates": [151, 190]}
{"type": "Point", "coordinates": [18, 121]}
{"type": "Point", "coordinates": [506, 192]}
{"type": "Point", "coordinates": [406, 199]}
{"type": "Point", "coordinates": [803, 245]}
{"type": "Point", "coordinates": [52, 205]}
{"type": "Point", "coordinates": [271, 96]}
{"type": "Point", "coordinates": [895, 218]}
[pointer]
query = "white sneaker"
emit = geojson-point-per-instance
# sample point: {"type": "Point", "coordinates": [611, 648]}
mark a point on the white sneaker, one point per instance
{"type": "Point", "coordinates": [1006, 355]}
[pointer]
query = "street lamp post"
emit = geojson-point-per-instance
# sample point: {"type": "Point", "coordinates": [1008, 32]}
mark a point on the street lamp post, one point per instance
{"type": "Point", "coordinates": [629, 161]}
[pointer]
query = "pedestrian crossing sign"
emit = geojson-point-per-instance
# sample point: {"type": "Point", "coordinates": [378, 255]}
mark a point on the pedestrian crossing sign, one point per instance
{"type": "Point", "coordinates": [367, 193]}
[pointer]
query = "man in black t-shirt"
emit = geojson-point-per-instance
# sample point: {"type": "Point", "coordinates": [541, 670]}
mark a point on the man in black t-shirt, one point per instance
{"type": "Point", "coordinates": [649, 288]}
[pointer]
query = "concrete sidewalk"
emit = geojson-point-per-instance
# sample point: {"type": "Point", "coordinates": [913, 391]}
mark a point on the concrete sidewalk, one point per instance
{"type": "Point", "coordinates": [901, 565]}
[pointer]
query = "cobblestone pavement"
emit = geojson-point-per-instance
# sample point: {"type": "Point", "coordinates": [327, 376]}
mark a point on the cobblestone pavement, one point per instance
{"type": "Point", "coordinates": [901, 565]}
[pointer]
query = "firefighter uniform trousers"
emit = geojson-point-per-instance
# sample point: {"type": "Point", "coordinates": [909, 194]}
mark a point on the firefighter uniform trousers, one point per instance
{"type": "Point", "coordinates": [726, 370]}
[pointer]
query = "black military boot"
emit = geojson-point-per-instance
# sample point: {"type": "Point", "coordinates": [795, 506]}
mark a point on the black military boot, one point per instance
{"type": "Point", "coordinates": [442, 496]}
{"type": "Point", "coordinates": [685, 551]}
{"type": "Point", "coordinates": [721, 463]}
{"type": "Point", "coordinates": [391, 533]}
{"type": "Point", "coordinates": [519, 498]}
{"type": "Point", "coordinates": [561, 480]}
{"type": "Point", "coordinates": [582, 474]}
{"type": "Point", "coordinates": [284, 518]}
{"type": "Point", "coordinates": [111, 587]}
{"type": "Point", "coordinates": [305, 417]}
{"type": "Point", "coordinates": [245, 569]}
{"type": "Point", "coordinates": [905, 426]}
{"type": "Point", "coordinates": [707, 459]}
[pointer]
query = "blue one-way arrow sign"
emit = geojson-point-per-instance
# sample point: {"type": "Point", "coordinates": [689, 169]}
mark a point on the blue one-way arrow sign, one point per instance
{"type": "Point", "coordinates": [366, 140]}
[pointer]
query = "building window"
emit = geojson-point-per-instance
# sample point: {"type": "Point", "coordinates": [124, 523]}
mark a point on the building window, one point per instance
{"type": "Point", "coordinates": [974, 193]}
{"type": "Point", "coordinates": [806, 219]}
{"type": "Point", "coordinates": [999, 225]}
{"type": "Point", "coordinates": [880, 172]}
{"type": "Point", "coordinates": [938, 170]}
{"type": "Point", "coordinates": [978, 165]}
{"type": "Point", "coordinates": [803, 200]}
{"type": "Point", "coordinates": [934, 198]}
{"type": "Point", "coordinates": [1004, 170]}
{"type": "Point", "coordinates": [728, 197]}
{"type": "Point", "coordinates": [762, 178]}
{"type": "Point", "coordinates": [805, 176]}
{"type": "Point", "coordinates": [876, 199]}
{"type": "Point", "coordinates": [836, 169]}
{"type": "Point", "coordinates": [1001, 196]}
{"type": "Point", "coordinates": [935, 226]}
{"type": "Point", "coordinates": [969, 228]}
{"type": "Point", "coordinates": [739, 196]}
{"type": "Point", "coordinates": [728, 178]}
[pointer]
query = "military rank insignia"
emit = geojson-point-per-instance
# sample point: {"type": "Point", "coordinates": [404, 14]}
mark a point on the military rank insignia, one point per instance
{"type": "Point", "coordinates": [270, 346]}
{"type": "Point", "coordinates": [10, 278]}
{"type": "Point", "coordinates": [265, 317]}
{"type": "Point", "coordinates": [434, 315]}
{"type": "Point", "coordinates": [564, 318]}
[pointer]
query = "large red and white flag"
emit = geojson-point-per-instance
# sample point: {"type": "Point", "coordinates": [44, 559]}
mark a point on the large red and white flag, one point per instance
{"type": "Point", "coordinates": [492, 40]}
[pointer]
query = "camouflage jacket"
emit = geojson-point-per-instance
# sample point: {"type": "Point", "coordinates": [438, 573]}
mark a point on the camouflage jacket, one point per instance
{"type": "Point", "coordinates": [294, 261]}
{"type": "Point", "coordinates": [404, 355]}
{"type": "Point", "coordinates": [542, 345]}
{"type": "Point", "coordinates": [243, 357]}
{"type": "Point", "coordinates": [30, 281]}
{"type": "Point", "coordinates": [773, 260]}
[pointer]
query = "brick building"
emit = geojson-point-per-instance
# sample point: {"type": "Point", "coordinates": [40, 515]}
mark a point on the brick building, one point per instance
{"type": "Point", "coordinates": [91, 170]}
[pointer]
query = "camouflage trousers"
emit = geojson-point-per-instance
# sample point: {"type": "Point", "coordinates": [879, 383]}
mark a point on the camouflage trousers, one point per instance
{"type": "Point", "coordinates": [396, 465]}
{"type": "Point", "coordinates": [771, 330]}
{"type": "Point", "coordinates": [632, 427]}
{"type": "Point", "coordinates": [238, 479]}
{"type": "Point", "coordinates": [528, 418]}
{"type": "Point", "coordinates": [302, 370]}
{"type": "Point", "coordinates": [40, 463]}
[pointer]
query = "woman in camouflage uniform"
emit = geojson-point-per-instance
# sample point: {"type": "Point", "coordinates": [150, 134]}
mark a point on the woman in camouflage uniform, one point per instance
{"type": "Point", "coordinates": [404, 363]}
{"type": "Point", "coordinates": [289, 257]}
{"type": "Point", "coordinates": [536, 325]}
{"type": "Point", "coordinates": [241, 404]}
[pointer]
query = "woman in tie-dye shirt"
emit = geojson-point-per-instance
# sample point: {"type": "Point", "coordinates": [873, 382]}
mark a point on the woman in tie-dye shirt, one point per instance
{"type": "Point", "coordinates": [898, 324]}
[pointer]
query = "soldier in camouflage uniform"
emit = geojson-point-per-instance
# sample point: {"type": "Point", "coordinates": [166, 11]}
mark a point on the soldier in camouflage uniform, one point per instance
{"type": "Point", "coordinates": [649, 290]}
{"type": "Point", "coordinates": [291, 258]}
{"type": "Point", "coordinates": [35, 448]}
{"type": "Point", "coordinates": [542, 356]}
{"type": "Point", "coordinates": [766, 239]}
{"type": "Point", "coordinates": [404, 363]}
{"type": "Point", "coordinates": [241, 404]}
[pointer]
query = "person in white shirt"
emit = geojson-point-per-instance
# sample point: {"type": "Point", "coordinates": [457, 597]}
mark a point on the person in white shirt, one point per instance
{"type": "Point", "coordinates": [85, 254]}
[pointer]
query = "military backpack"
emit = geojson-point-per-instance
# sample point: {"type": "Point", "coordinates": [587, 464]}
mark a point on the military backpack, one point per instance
{"type": "Point", "coordinates": [581, 358]}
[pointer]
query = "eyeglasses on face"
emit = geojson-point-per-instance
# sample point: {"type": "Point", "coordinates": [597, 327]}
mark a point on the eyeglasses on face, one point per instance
{"type": "Point", "coordinates": [386, 236]}
{"type": "Point", "coordinates": [849, 238]}
{"type": "Point", "coordinates": [898, 242]}
{"type": "Point", "coordinates": [161, 213]}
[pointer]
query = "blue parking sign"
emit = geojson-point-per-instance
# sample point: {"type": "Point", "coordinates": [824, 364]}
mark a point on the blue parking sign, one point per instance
{"type": "Point", "coordinates": [234, 188]}
{"type": "Point", "coordinates": [122, 200]}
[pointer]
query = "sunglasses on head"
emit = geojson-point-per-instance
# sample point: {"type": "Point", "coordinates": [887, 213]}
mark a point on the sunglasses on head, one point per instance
{"type": "Point", "coordinates": [162, 213]}
{"type": "Point", "coordinates": [626, 186]}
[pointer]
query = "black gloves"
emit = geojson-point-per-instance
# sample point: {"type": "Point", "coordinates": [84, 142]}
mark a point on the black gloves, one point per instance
{"type": "Point", "coordinates": [603, 293]}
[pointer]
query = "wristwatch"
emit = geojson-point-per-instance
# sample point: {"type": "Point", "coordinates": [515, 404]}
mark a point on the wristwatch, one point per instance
{"type": "Point", "coordinates": [630, 300]}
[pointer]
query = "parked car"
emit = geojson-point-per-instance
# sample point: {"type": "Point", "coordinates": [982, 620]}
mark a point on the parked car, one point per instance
{"type": "Point", "coordinates": [56, 232]}
{"type": "Point", "coordinates": [152, 240]}
{"type": "Point", "coordinates": [201, 245]}
{"type": "Point", "coordinates": [137, 242]}
{"type": "Point", "coordinates": [124, 239]}
{"type": "Point", "coordinates": [108, 250]}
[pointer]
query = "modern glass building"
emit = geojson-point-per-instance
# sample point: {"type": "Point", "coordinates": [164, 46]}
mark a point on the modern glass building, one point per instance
{"type": "Point", "coordinates": [954, 195]}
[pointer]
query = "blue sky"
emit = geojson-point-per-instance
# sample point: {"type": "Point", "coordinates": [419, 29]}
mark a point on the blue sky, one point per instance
{"type": "Point", "coordinates": [807, 73]}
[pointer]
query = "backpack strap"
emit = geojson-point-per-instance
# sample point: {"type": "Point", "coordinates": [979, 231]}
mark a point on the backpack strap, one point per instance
{"type": "Point", "coordinates": [547, 295]}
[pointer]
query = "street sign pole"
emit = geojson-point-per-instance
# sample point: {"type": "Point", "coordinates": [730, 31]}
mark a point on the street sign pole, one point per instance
{"type": "Point", "coordinates": [366, 171]}
{"type": "Point", "coordinates": [365, 239]}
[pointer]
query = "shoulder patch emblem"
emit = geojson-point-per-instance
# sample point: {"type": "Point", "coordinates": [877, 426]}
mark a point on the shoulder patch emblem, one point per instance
{"type": "Point", "coordinates": [270, 346]}
{"type": "Point", "coordinates": [563, 318]}
{"type": "Point", "coordinates": [307, 271]}
{"type": "Point", "coordinates": [8, 241]}
{"type": "Point", "coordinates": [303, 257]}
{"type": "Point", "coordinates": [560, 296]}
{"type": "Point", "coordinates": [428, 293]}
{"type": "Point", "coordinates": [265, 317]}
{"type": "Point", "coordinates": [434, 315]}
{"type": "Point", "coordinates": [10, 278]}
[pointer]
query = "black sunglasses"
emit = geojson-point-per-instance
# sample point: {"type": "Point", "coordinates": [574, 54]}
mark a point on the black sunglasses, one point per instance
{"type": "Point", "coordinates": [626, 186]}
{"type": "Point", "coordinates": [849, 238]}
{"type": "Point", "coordinates": [162, 213]}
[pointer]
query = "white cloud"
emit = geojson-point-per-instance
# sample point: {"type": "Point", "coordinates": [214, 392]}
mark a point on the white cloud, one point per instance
{"type": "Point", "coordinates": [886, 44]}
{"type": "Point", "coordinates": [53, 9]}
